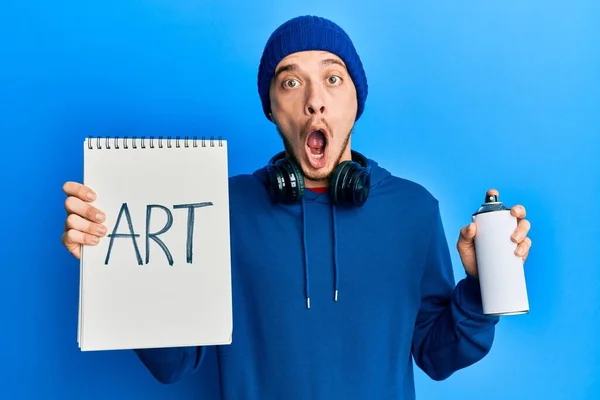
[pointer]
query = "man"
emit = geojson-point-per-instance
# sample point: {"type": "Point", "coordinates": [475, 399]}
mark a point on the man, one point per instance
{"type": "Point", "coordinates": [341, 271]}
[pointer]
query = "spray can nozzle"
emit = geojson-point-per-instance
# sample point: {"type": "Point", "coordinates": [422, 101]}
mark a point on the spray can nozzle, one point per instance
{"type": "Point", "coordinates": [492, 198]}
{"type": "Point", "coordinates": [491, 203]}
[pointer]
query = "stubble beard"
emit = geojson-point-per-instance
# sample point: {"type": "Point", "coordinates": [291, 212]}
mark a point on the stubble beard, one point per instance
{"type": "Point", "coordinates": [318, 176]}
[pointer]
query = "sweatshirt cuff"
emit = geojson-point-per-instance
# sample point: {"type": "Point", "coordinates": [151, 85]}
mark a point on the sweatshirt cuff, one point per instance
{"type": "Point", "coordinates": [468, 299]}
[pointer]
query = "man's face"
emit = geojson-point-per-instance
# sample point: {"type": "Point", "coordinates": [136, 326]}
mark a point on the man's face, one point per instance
{"type": "Point", "coordinates": [314, 105]}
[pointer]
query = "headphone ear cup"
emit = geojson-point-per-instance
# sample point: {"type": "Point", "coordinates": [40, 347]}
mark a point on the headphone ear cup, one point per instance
{"type": "Point", "coordinates": [286, 182]}
{"type": "Point", "coordinates": [337, 185]}
{"type": "Point", "coordinates": [359, 185]}
{"type": "Point", "coordinates": [277, 183]}
{"type": "Point", "coordinates": [294, 181]}
{"type": "Point", "coordinates": [350, 184]}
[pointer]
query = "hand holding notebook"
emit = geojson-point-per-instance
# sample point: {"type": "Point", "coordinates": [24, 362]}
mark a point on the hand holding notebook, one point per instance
{"type": "Point", "coordinates": [84, 225]}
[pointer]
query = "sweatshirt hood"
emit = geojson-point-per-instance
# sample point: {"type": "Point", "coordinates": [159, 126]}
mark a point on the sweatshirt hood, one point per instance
{"type": "Point", "coordinates": [377, 176]}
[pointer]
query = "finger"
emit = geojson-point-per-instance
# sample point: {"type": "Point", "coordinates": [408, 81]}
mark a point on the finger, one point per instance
{"type": "Point", "coordinates": [74, 237]}
{"type": "Point", "coordinates": [73, 248]}
{"type": "Point", "coordinates": [78, 223]}
{"type": "Point", "coordinates": [521, 231]}
{"type": "Point", "coordinates": [74, 205]}
{"type": "Point", "coordinates": [467, 233]}
{"type": "Point", "coordinates": [523, 248]}
{"type": "Point", "coordinates": [518, 211]}
{"type": "Point", "coordinates": [492, 192]}
{"type": "Point", "coordinates": [78, 190]}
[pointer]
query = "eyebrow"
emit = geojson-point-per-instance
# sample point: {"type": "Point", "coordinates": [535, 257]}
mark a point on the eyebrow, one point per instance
{"type": "Point", "coordinates": [330, 61]}
{"type": "Point", "coordinates": [294, 67]}
{"type": "Point", "coordinates": [283, 68]}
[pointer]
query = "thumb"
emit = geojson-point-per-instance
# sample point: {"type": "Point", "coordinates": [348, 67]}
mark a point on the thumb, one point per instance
{"type": "Point", "coordinates": [467, 234]}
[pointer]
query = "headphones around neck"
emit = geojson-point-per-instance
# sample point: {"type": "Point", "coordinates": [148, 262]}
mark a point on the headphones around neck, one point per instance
{"type": "Point", "coordinates": [349, 184]}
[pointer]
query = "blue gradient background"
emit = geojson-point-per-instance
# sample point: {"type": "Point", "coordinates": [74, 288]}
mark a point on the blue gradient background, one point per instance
{"type": "Point", "coordinates": [464, 96]}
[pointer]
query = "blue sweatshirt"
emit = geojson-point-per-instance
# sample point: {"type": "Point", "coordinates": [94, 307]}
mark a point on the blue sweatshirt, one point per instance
{"type": "Point", "coordinates": [381, 290]}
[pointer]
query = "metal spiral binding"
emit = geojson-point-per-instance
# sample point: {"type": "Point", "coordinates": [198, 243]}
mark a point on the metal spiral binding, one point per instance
{"type": "Point", "coordinates": [131, 142]}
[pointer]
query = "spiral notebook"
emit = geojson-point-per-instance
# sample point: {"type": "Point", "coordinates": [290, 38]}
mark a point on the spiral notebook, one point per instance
{"type": "Point", "coordinates": [161, 276]}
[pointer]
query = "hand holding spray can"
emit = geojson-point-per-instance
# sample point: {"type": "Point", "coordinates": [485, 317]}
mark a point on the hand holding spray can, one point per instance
{"type": "Point", "coordinates": [501, 272]}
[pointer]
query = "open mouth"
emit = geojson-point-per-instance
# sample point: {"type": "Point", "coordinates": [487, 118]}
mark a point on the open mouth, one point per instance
{"type": "Point", "coordinates": [316, 143]}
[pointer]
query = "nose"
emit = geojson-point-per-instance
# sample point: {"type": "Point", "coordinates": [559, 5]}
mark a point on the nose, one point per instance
{"type": "Point", "coordinates": [315, 100]}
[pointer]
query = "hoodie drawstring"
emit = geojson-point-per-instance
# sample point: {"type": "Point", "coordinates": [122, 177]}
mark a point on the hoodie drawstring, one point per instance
{"type": "Point", "coordinates": [335, 255]}
{"type": "Point", "coordinates": [306, 277]}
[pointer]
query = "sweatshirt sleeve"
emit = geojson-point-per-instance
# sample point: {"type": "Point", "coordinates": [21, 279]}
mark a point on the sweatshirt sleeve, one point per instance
{"type": "Point", "coordinates": [451, 331]}
{"type": "Point", "coordinates": [169, 365]}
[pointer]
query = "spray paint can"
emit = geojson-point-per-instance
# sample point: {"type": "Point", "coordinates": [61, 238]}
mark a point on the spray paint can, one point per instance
{"type": "Point", "coordinates": [500, 270]}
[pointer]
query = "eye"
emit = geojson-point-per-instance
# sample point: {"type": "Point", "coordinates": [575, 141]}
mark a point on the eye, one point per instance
{"type": "Point", "coordinates": [290, 83]}
{"type": "Point", "coordinates": [334, 80]}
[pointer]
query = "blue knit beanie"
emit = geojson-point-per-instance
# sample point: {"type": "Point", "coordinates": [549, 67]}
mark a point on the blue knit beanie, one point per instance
{"type": "Point", "coordinates": [310, 33]}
